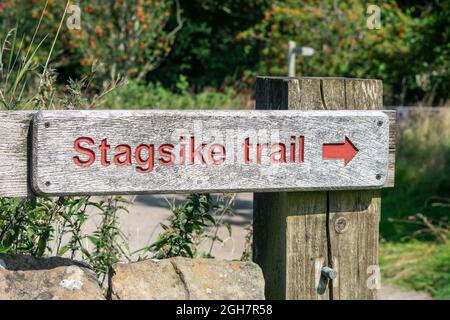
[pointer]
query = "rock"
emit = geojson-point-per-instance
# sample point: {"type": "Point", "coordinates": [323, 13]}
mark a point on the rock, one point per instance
{"type": "Point", "coordinates": [182, 278]}
{"type": "Point", "coordinates": [29, 278]}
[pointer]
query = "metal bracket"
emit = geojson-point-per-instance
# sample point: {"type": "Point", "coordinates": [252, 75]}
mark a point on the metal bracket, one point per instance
{"type": "Point", "coordinates": [326, 274]}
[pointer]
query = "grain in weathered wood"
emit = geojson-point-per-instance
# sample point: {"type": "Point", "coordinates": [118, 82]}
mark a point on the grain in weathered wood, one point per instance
{"type": "Point", "coordinates": [306, 244]}
{"type": "Point", "coordinates": [355, 248]}
{"type": "Point", "coordinates": [354, 221]}
{"type": "Point", "coordinates": [14, 128]}
{"type": "Point", "coordinates": [390, 181]}
{"type": "Point", "coordinates": [291, 249]}
{"type": "Point", "coordinates": [284, 93]}
{"type": "Point", "coordinates": [359, 247]}
{"type": "Point", "coordinates": [55, 173]}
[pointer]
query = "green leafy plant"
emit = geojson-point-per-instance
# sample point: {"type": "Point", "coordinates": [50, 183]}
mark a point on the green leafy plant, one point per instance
{"type": "Point", "coordinates": [42, 226]}
{"type": "Point", "coordinates": [197, 219]}
{"type": "Point", "coordinates": [422, 181]}
{"type": "Point", "coordinates": [135, 95]}
{"type": "Point", "coordinates": [406, 48]}
{"type": "Point", "coordinates": [129, 37]}
{"type": "Point", "coordinates": [110, 245]}
{"type": "Point", "coordinates": [247, 255]}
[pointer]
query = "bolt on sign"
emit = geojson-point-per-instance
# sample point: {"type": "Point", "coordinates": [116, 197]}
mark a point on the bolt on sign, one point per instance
{"type": "Point", "coordinates": [157, 151]}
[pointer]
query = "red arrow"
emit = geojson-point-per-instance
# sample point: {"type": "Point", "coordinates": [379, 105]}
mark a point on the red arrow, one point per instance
{"type": "Point", "coordinates": [336, 151]}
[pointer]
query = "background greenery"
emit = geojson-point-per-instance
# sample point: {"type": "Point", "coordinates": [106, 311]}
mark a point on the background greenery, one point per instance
{"type": "Point", "coordinates": [206, 54]}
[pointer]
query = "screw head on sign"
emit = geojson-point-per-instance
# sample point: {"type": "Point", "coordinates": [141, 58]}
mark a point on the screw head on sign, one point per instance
{"type": "Point", "coordinates": [47, 183]}
{"type": "Point", "coordinates": [47, 124]}
{"type": "Point", "coordinates": [378, 176]}
{"type": "Point", "coordinates": [340, 225]}
{"type": "Point", "coordinates": [380, 123]}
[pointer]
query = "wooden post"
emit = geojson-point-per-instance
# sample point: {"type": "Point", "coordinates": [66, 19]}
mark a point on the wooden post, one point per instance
{"type": "Point", "coordinates": [297, 233]}
{"type": "Point", "coordinates": [291, 59]}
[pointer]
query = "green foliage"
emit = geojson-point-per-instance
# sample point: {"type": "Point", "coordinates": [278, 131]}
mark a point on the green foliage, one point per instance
{"type": "Point", "coordinates": [206, 50]}
{"type": "Point", "coordinates": [422, 181]}
{"type": "Point", "coordinates": [136, 95]}
{"type": "Point", "coordinates": [415, 265]}
{"type": "Point", "coordinates": [198, 218]}
{"type": "Point", "coordinates": [26, 224]}
{"type": "Point", "coordinates": [52, 226]}
{"type": "Point", "coordinates": [16, 71]}
{"type": "Point", "coordinates": [247, 255]}
{"type": "Point", "coordinates": [110, 245]}
{"type": "Point", "coordinates": [129, 38]}
{"type": "Point", "coordinates": [427, 75]}
{"type": "Point", "coordinates": [346, 47]}
{"type": "Point", "coordinates": [219, 43]}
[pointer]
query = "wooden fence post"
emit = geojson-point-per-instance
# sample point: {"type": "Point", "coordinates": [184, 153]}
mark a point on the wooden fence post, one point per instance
{"type": "Point", "coordinates": [297, 233]}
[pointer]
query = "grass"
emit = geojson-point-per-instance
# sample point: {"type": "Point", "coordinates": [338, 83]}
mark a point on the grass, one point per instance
{"type": "Point", "coordinates": [422, 181]}
{"type": "Point", "coordinates": [415, 253]}
{"type": "Point", "coordinates": [417, 265]}
{"type": "Point", "coordinates": [135, 95]}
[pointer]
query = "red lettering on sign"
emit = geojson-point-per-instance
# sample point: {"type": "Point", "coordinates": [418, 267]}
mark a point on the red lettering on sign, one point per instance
{"type": "Point", "coordinates": [149, 161]}
{"type": "Point", "coordinates": [278, 151]}
{"type": "Point", "coordinates": [279, 155]}
{"type": "Point", "coordinates": [146, 155]}
{"type": "Point", "coordinates": [104, 147]}
{"type": "Point", "coordinates": [77, 146]}
{"type": "Point", "coordinates": [167, 158]}
{"type": "Point", "coordinates": [301, 149]}
{"type": "Point", "coordinates": [124, 152]}
{"type": "Point", "coordinates": [259, 150]}
{"type": "Point", "coordinates": [339, 151]}
{"type": "Point", "coordinates": [197, 152]}
{"type": "Point", "coordinates": [182, 151]}
{"type": "Point", "coordinates": [247, 146]}
{"type": "Point", "coordinates": [216, 150]}
{"type": "Point", "coordinates": [292, 150]}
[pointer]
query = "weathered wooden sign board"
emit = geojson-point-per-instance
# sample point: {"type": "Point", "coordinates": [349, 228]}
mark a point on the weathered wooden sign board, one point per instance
{"type": "Point", "coordinates": [156, 151]}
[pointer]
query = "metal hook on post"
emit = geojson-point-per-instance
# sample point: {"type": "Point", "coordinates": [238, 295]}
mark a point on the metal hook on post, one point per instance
{"type": "Point", "coordinates": [326, 274]}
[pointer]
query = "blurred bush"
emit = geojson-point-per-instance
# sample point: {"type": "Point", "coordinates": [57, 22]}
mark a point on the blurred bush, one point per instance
{"type": "Point", "coordinates": [130, 38]}
{"type": "Point", "coordinates": [422, 179]}
{"type": "Point", "coordinates": [344, 45]}
{"type": "Point", "coordinates": [207, 50]}
{"type": "Point", "coordinates": [427, 72]}
{"type": "Point", "coordinates": [135, 95]}
{"type": "Point", "coordinates": [227, 43]}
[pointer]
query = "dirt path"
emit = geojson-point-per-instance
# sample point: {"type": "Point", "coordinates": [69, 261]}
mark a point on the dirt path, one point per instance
{"type": "Point", "coordinates": [389, 292]}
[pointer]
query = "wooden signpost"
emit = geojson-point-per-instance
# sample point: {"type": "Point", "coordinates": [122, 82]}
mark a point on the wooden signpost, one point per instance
{"type": "Point", "coordinates": [298, 234]}
{"type": "Point", "coordinates": [123, 152]}
{"type": "Point", "coordinates": [308, 135]}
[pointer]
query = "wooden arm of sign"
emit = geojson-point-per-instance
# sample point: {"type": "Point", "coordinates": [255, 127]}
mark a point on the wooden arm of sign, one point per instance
{"type": "Point", "coordinates": [16, 143]}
